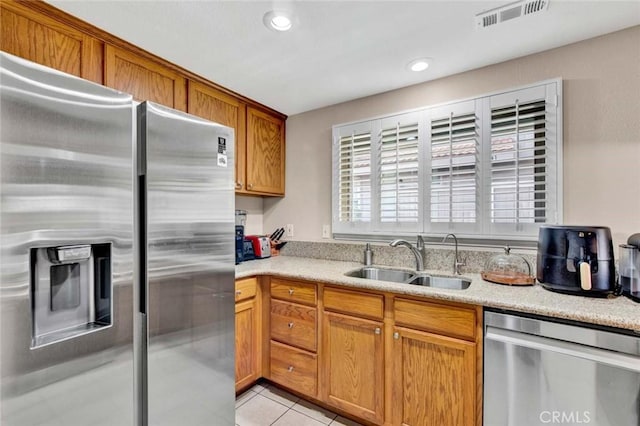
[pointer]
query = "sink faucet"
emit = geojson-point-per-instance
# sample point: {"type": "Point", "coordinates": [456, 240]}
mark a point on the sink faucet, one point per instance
{"type": "Point", "coordinates": [457, 263]}
{"type": "Point", "coordinates": [417, 250]}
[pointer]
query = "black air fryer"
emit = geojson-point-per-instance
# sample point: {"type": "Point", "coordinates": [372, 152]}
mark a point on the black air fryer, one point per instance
{"type": "Point", "coordinates": [576, 260]}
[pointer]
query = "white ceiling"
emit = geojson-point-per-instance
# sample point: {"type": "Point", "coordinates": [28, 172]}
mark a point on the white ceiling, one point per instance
{"type": "Point", "coordinates": [341, 50]}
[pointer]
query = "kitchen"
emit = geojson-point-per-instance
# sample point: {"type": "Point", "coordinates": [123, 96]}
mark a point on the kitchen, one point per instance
{"type": "Point", "coordinates": [604, 69]}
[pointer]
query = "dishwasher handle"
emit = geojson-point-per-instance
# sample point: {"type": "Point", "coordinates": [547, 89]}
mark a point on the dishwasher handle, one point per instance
{"type": "Point", "coordinates": [601, 356]}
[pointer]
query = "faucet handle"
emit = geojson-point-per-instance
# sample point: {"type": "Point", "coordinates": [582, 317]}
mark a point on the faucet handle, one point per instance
{"type": "Point", "coordinates": [457, 263]}
{"type": "Point", "coordinates": [420, 242]}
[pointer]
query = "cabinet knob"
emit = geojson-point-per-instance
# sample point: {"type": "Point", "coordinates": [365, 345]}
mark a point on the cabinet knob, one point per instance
{"type": "Point", "coordinates": [250, 186]}
{"type": "Point", "coordinates": [238, 292]}
{"type": "Point", "coordinates": [239, 185]}
{"type": "Point", "coordinates": [396, 335]}
{"type": "Point", "coordinates": [290, 325]}
{"type": "Point", "coordinates": [290, 292]}
{"type": "Point", "coordinates": [290, 369]}
{"type": "Point", "coordinates": [377, 330]}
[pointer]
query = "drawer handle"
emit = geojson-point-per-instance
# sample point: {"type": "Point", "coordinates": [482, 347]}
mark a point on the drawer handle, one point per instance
{"type": "Point", "coordinates": [290, 292]}
{"type": "Point", "coordinates": [377, 330]}
{"type": "Point", "coordinates": [290, 369]}
{"type": "Point", "coordinates": [290, 325]}
{"type": "Point", "coordinates": [396, 335]}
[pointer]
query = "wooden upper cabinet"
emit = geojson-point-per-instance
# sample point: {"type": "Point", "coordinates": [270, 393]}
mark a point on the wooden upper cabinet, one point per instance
{"type": "Point", "coordinates": [39, 32]}
{"type": "Point", "coordinates": [216, 105]}
{"type": "Point", "coordinates": [46, 41]}
{"type": "Point", "coordinates": [265, 153]}
{"type": "Point", "coordinates": [146, 80]}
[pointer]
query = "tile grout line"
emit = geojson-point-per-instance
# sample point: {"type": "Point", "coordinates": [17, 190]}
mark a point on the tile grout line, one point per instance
{"type": "Point", "coordinates": [279, 417]}
{"type": "Point", "coordinates": [332, 420]}
{"type": "Point", "coordinates": [335, 416]}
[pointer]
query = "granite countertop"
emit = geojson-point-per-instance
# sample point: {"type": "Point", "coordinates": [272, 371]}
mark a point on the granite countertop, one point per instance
{"type": "Point", "coordinates": [617, 312]}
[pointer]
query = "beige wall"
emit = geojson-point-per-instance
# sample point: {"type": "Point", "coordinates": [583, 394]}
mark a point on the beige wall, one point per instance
{"type": "Point", "coordinates": [254, 206]}
{"type": "Point", "coordinates": [601, 92]}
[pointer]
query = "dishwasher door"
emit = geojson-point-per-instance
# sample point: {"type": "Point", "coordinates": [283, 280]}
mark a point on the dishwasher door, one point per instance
{"type": "Point", "coordinates": [539, 372]}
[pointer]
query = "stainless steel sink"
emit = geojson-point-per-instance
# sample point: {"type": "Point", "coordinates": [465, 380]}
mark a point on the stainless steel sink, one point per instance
{"type": "Point", "coordinates": [451, 283]}
{"type": "Point", "coordinates": [407, 277]}
{"type": "Point", "coordinates": [382, 274]}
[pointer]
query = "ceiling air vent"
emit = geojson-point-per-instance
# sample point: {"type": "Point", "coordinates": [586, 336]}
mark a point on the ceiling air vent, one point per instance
{"type": "Point", "coordinates": [510, 11]}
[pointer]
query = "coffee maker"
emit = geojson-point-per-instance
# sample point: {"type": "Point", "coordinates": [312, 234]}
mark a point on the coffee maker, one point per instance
{"type": "Point", "coordinates": [241, 220]}
{"type": "Point", "coordinates": [629, 267]}
{"type": "Point", "coordinates": [576, 260]}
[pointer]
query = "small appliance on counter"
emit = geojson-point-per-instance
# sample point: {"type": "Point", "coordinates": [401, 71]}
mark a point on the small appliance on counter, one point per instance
{"type": "Point", "coordinates": [241, 220]}
{"type": "Point", "coordinates": [261, 246]}
{"type": "Point", "coordinates": [508, 269]}
{"type": "Point", "coordinates": [576, 260]}
{"type": "Point", "coordinates": [629, 267]}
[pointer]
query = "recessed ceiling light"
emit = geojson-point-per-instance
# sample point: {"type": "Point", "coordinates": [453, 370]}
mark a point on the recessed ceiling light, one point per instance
{"type": "Point", "coordinates": [419, 64]}
{"type": "Point", "coordinates": [278, 20]}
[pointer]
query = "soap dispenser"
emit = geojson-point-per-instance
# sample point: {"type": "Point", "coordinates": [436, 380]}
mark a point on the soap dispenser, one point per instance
{"type": "Point", "coordinates": [368, 255]}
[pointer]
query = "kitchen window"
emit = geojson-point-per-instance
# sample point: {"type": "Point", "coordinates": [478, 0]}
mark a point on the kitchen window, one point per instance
{"type": "Point", "coordinates": [484, 168]}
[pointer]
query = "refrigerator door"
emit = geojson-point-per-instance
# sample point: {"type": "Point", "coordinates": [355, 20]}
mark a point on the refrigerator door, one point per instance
{"type": "Point", "coordinates": [190, 232]}
{"type": "Point", "coordinates": [66, 172]}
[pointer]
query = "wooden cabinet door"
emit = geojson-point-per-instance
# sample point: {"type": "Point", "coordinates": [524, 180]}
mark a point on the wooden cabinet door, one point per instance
{"type": "Point", "coordinates": [265, 153]}
{"type": "Point", "coordinates": [353, 360]}
{"type": "Point", "coordinates": [215, 105]}
{"type": "Point", "coordinates": [46, 41]}
{"type": "Point", "coordinates": [146, 80]}
{"type": "Point", "coordinates": [247, 347]}
{"type": "Point", "coordinates": [434, 380]}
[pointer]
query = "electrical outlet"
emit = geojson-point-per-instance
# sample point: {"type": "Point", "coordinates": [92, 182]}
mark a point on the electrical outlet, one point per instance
{"type": "Point", "coordinates": [326, 231]}
{"type": "Point", "coordinates": [289, 230]}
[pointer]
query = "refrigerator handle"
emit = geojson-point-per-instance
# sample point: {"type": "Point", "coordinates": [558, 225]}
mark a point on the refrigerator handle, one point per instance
{"type": "Point", "coordinates": [141, 206]}
{"type": "Point", "coordinates": [141, 334]}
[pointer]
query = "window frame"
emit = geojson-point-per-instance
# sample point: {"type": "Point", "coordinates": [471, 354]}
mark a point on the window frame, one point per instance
{"type": "Point", "coordinates": [482, 232]}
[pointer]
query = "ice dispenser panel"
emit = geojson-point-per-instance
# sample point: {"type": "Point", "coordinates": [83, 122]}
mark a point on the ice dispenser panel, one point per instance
{"type": "Point", "coordinates": [70, 291]}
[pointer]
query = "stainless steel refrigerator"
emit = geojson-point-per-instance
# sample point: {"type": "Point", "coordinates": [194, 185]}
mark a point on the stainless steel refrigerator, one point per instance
{"type": "Point", "coordinates": [117, 257]}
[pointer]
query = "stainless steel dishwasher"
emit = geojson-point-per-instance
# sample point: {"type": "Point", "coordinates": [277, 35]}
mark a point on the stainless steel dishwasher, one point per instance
{"type": "Point", "coordinates": [539, 372]}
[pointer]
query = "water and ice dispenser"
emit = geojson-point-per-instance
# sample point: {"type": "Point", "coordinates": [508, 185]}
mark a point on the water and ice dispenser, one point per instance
{"type": "Point", "coordinates": [71, 291]}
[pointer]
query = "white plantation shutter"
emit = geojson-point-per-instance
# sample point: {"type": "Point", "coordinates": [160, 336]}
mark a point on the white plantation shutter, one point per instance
{"type": "Point", "coordinates": [485, 168]}
{"type": "Point", "coordinates": [454, 167]}
{"type": "Point", "coordinates": [352, 174]}
{"type": "Point", "coordinates": [522, 162]}
{"type": "Point", "coordinates": [397, 171]}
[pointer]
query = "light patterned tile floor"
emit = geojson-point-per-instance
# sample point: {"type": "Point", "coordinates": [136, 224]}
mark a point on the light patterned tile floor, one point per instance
{"type": "Point", "coordinates": [266, 405]}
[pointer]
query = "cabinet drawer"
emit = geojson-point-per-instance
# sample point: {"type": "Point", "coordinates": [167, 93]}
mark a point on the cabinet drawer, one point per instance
{"type": "Point", "coordinates": [293, 324]}
{"type": "Point", "coordinates": [442, 319]}
{"type": "Point", "coordinates": [293, 291]}
{"type": "Point", "coordinates": [353, 302]}
{"type": "Point", "coordinates": [246, 288]}
{"type": "Point", "coordinates": [294, 368]}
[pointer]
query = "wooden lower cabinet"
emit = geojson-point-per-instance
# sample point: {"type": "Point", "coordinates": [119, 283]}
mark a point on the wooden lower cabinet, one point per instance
{"type": "Point", "coordinates": [383, 358]}
{"type": "Point", "coordinates": [294, 324]}
{"type": "Point", "coordinates": [353, 365]}
{"type": "Point", "coordinates": [247, 355]}
{"type": "Point", "coordinates": [294, 368]}
{"type": "Point", "coordinates": [247, 332]}
{"type": "Point", "coordinates": [433, 380]}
